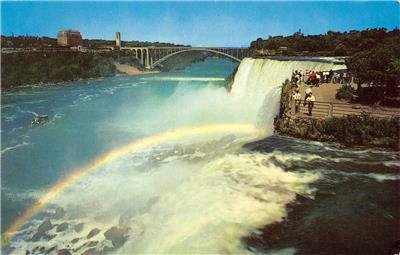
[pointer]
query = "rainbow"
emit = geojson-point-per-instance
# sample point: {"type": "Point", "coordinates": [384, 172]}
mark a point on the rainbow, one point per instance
{"type": "Point", "coordinates": [77, 174]}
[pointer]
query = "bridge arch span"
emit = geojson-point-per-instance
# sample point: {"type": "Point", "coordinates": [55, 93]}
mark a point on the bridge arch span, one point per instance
{"type": "Point", "coordinates": [158, 62]}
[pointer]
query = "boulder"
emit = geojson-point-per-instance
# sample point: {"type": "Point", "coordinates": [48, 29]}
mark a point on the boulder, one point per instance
{"type": "Point", "coordinates": [62, 227]}
{"type": "Point", "coordinates": [92, 243]}
{"type": "Point", "coordinates": [92, 233]}
{"type": "Point", "coordinates": [75, 240]}
{"type": "Point", "coordinates": [48, 251]}
{"type": "Point", "coordinates": [92, 251]}
{"type": "Point", "coordinates": [41, 231]}
{"type": "Point", "coordinates": [64, 252]}
{"type": "Point", "coordinates": [107, 249]}
{"type": "Point", "coordinates": [78, 227]}
{"type": "Point", "coordinates": [116, 235]}
{"type": "Point", "coordinates": [45, 226]}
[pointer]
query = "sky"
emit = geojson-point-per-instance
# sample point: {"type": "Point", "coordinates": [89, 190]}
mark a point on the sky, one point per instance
{"type": "Point", "coordinates": [228, 24]}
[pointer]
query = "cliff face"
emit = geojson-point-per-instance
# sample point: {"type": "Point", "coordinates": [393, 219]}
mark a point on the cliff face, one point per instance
{"type": "Point", "coordinates": [351, 130]}
{"type": "Point", "coordinates": [18, 69]}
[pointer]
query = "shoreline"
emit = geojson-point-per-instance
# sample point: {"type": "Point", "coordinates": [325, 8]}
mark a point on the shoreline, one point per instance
{"type": "Point", "coordinates": [131, 70]}
{"type": "Point", "coordinates": [49, 84]}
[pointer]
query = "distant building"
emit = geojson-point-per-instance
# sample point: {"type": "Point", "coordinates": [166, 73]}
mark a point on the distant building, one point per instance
{"type": "Point", "coordinates": [118, 39]}
{"type": "Point", "coordinates": [69, 38]}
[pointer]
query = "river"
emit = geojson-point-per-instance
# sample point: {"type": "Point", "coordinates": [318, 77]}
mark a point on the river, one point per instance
{"type": "Point", "coordinates": [173, 163]}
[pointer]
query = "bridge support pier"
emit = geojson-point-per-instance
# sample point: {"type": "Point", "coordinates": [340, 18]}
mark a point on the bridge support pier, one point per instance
{"type": "Point", "coordinates": [147, 65]}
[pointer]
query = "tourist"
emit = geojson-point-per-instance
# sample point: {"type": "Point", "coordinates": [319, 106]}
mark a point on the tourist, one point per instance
{"type": "Point", "coordinates": [310, 102]}
{"type": "Point", "coordinates": [293, 102]}
{"type": "Point", "coordinates": [330, 76]}
{"type": "Point", "coordinates": [301, 74]}
{"type": "Point", "coordinates": [317, 79]}
{"type": "Point", "coordinates": [335, 78]}
{"type": "Point", "coordinates": [307, 94]}
{"type": "Point", "coordinates": [326, 76]}
{"type": "Point", "coordinates": [297, 99]}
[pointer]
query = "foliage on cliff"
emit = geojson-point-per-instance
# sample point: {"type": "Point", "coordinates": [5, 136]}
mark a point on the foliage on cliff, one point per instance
{"type": "Point", "coordinates": [331, 43]}
{"type": "Point", "coordinates": [378, 65]}
{"type": "Point", "coordinates": [363, 130]}
{"type": "Point", "coordinates": [31, 68]}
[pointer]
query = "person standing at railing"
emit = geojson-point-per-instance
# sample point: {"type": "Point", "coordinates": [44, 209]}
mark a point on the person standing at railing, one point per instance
{"type": "Point", "coordinates": [307, 94]}
{"type": "Point", "coordinates": [345, 78]}
{"type": "Point", "coordinates": [297, 100]}
{"type": "Point", "coordinates": [310, 101]}
{"type": "Point", "coordinates": [330, 78]}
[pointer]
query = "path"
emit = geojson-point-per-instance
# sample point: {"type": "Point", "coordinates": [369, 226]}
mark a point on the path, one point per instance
{"type": "Point", "coordinates": [327, 105]}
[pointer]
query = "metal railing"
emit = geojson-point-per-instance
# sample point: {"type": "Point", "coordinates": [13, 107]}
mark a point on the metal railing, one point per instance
{"type": "Point", "coordinates": [330, 109]}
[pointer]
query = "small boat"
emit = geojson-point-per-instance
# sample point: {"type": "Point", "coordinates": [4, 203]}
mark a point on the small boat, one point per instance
{"type": "Point", "coordinates": [40, 119]}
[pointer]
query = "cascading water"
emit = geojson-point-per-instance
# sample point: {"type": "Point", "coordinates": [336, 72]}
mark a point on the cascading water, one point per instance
{"type": "Point", "coordinates": [193, 191]}
{"type": "Point", "coordinates": [257, 85]}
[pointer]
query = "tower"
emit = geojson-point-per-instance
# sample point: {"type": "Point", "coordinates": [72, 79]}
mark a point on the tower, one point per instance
{"type": "Point", "coordinates": [118, 39]}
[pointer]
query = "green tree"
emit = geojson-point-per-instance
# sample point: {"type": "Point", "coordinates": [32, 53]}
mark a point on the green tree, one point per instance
{"type": "Point", "coordinates": [378, 66]}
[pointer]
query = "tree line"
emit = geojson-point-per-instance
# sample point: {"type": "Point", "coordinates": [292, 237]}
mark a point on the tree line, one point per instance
{"type": "Point", "coordinates": [46, 42]}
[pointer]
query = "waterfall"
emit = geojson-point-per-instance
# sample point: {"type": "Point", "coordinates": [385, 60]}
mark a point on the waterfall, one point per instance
{"type": "Point", "coordinates": [258, 82]}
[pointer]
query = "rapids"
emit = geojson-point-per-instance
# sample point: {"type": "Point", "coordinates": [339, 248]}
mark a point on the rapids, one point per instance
{"type": "Point", "coordinates": [210, 187]}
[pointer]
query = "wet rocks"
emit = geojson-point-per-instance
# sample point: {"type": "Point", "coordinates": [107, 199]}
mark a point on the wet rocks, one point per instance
{"type": "Point", "coordinates": [41, 231]}
{"type": "Point", "coordinates": [78, 227]}
{"type": "Point", "coordinates": [75, 240]}
{"type": "Point", "coordinates": [45, 226]}
{"type": "Point", "coordinates": [60, 212]}
{"type": "Point", "coordinates": [107, 249]}
{"type": "Point", "coordinates": [92, 243]}
{"type": "Point", "coordinates": [48, 251]}
{"type": "Point", "coordinates": [64, 252]}
{"type": "Point", "coordinates": [62, 227]}
{"type": "Point", "coordinates": [87, 244]}
{"type": "Point", "coordinates": [117, 236]}
{"type": "Point", "coordinates": [93, 232]}
{"type": "Point", "coordinates": [92, 251]}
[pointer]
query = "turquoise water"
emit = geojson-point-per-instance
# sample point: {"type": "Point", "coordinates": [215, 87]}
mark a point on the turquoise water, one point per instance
{"type": "Point", "coordinates": [87, 118]}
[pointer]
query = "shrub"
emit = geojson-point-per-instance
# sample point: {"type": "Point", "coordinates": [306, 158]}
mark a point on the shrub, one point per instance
{"type": "Point", "coordinates": [351, 130]}
{"type": "Point", "coordinates": [346, 92]}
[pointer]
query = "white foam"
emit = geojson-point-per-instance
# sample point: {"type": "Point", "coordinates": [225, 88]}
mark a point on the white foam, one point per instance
{"type": "Point", "coordinates": [183, 204]}
{"type": "Point", "coordinates": [14, 147]}
{"type": "Point", "coordinates": [384, 177]}
{"type": "Point", "coordinates": [380, 177]}
{"type": "Point", "coordinates": [169, 78]}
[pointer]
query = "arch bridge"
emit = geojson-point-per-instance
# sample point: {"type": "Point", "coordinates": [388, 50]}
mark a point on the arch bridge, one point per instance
{"type": "Point", "coordinates": [151, 57]}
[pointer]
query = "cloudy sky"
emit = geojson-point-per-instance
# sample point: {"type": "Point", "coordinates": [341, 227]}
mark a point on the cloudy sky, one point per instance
{"type": "Point", "coordinates": [196, 23]}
